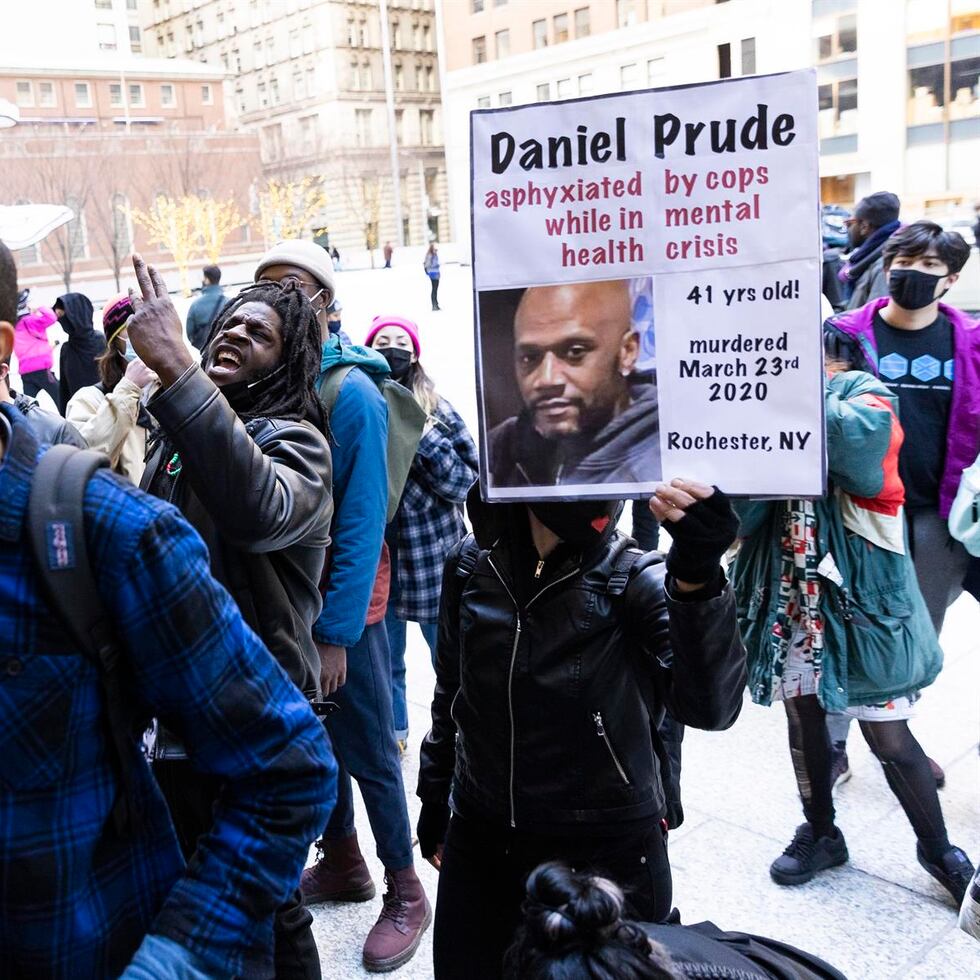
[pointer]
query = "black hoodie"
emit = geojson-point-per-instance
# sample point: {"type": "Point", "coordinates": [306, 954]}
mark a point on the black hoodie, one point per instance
{"type": "Point", "coordinates": [78, 368]}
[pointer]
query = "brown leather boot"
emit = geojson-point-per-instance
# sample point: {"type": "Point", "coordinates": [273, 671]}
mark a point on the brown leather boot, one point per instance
{"type": "Point", "coordinates": [339, 875]}
{"type": "Point", "coordinates": [405, 915]}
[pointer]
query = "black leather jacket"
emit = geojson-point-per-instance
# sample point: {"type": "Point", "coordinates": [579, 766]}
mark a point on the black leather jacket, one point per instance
{"type": "Point", "coordinates": [541, 714]}
{"type": "Point", "coordinates": [259, 493]}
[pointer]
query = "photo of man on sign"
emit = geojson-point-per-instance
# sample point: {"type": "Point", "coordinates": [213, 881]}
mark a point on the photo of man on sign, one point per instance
{"type": "Point", "coordinates": [568, 407]}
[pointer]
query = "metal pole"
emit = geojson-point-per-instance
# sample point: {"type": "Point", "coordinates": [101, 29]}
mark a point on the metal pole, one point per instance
{"type": "Point", "coordinates": [444, 119]}
{"type": "Point", "coordinates": [392, 130]}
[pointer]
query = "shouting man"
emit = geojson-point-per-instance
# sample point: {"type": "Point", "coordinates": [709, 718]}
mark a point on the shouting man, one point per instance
{"type": "Point", "coordinates": [244, 458]}
{"type": "Point", "coordinates": [586, 418]}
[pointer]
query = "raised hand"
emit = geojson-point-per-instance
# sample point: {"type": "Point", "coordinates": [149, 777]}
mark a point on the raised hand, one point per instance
{"type": "Point", "coordinates": [702, 526]}
{"type": "Point", "coordinates": [155, 330]}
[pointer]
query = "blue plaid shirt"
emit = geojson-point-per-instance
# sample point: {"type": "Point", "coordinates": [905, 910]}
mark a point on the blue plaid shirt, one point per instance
{"type": "Point", "coordinates": [429, 521]}
{"type": "Point", "coordinates": [75, 898]}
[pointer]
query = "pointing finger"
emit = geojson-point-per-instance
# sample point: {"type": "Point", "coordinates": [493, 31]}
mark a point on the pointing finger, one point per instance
{"type": "Point", "coordinates": [143, 277]}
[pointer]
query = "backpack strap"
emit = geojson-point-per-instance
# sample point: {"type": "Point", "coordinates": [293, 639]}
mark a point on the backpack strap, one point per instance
{"type": "Point", "coordinates": [623, 570]}
{"type": "Point", "coordinates": [328, 391]}
{"type": "Point", "coordinates": [468, 557]}
{"type": "Point", "coordinates": [56, 529]}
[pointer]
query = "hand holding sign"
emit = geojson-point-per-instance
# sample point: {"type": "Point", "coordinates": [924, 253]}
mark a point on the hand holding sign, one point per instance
{"type": "Point", "coordinates": [155, 329]}
{"type": "Point", "coordinates": [702, 526]}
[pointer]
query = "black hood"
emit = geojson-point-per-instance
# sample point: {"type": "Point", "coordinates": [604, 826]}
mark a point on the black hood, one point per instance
{"type": "Point", "coordinates": [579, 524]}
{"type": "Point", "coordinates": [77, 321]}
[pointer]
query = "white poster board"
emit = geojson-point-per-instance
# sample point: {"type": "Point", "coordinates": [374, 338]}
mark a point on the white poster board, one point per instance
{"type": "Point", "coordinates": [647, 277]}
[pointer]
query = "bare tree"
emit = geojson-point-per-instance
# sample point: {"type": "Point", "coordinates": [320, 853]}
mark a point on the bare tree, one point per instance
{"type": "Point", "coordinates": [63, 172]}
{"type": "Point", "coordinates": [364, 195]}
{"type": "Point", "coordinates": [109, 216]}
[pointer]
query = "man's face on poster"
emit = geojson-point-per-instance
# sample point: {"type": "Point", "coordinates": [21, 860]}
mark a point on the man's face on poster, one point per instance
{"type": "Point", "coordinates": [574, 348]}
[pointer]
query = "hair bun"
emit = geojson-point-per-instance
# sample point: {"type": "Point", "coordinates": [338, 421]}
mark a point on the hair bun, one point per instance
{"type": "Point", "coordinates": [565, 907]}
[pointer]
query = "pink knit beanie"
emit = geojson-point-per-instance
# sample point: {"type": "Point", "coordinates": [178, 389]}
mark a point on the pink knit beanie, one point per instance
{"type": "Point", "coordinates": [409, 326]}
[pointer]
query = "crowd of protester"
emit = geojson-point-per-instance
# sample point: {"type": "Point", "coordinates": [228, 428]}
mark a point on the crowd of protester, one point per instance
{"type": "Point", "coordinates": [205, 629]}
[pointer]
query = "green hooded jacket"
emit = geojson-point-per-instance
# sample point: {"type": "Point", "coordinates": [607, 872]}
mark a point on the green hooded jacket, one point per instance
{"type": "Point", "coordinates": [879, 642]}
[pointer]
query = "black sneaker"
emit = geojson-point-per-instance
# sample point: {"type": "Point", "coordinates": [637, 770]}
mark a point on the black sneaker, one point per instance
{"type": "Point", "coordinates": [806, 856]}
{"type": "Point", "coordinates": [840, 771]}
{"type": "Point", "coordinates": [953, 871]}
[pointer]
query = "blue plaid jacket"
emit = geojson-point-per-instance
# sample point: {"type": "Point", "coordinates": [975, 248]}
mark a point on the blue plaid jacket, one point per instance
{"type": "Point", "coordinates": [429, 521]}
{"type": "Point", "coordinates": [75, 898]}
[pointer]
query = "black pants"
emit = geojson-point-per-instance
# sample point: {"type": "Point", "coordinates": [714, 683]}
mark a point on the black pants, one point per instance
{"type": "Point", "coordinates": [435, 293]}
{"type": "Point", "coordinates": [35, 381]}
{"type": "Point", "coordinates": [191, 796]}
{"type": "Point", "coordinates": [484, 870]}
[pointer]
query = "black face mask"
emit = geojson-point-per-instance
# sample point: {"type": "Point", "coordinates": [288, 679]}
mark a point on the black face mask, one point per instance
{"type": "Point", "coordinates": [578, 523]}
{"type": "Point", "coordinates": [913, 290]}
{"type": "Point", "coordinates": [399, 361]}
{"type": "Point", "coordinates": [243, 395]}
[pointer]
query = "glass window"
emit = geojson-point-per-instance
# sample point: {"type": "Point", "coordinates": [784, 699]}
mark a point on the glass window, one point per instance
{"type": "Point", "coordinates": [847, 35]}
{"type": "Point", "coordinates": [107, 37]}
{"type": "Point", "coordinates": [399, 78]}
{"type": "Point", "coordinates": [479, 50]}
{"type": "Point", "coordinates": [825, 47]}
{"type": "Point", "coordinates": [564, 88]}
{"type": "Point", "coordinates": [399, 125]}
{"type": "Point", "coordinates": [207, 96]}
{"type": "Point", "coordinates": [135, 39]}
{"type": "Point", "coordinates": [483, 102]}
{"type": "Point", "coordinates": [136, 94]}
{"type": "Point", "coordinates": [585, 84]}
{"type": "Point", "coordinates": [115, 94]}
{"type": "Point", "coordinates": [964, 88]}
{"type": "Point", "coordinates": [561, 28]}
{"type": "Point", "coordinates": [430, 79]}
{"type": "Point", "coordinates": [583, 25]}
{"type": "Point", "coordinates": [396, 34]}
{"type": "Point", "coordinates": [656, 68]}
{"type": "Point", "coordinates": [83, 95]}
{"type": "Point", "coordinates": [25, 93]}
{"type": "Point", "coordinates": [629, 76]}
{"type": "Point", "coordinates": [122, 234]}
{"type": "Point", "coordinates": [46, 95]}
{"type": "Point", "coordinates": [477, 6]}
{"type": "Point", "coordinates": [625, 13]}
{"type": "Point", "coordinates": [131, 4]}
{"type": "Point", "coordinates": [926, 95]}
{"type": "Point", "coordinates": [502, 41]}
{"type": "Point", "coordinates": [543, 93]}
{"type": "Point", "coordinates": [505, 98]}
{"type": "Point", "coordinates": [427, 126]}
{"type": "Point", "coordinates": [837, 105]}
{"type": "Point", "coordinates": [168, 96]}
{"type": "Point", "coordinates": [748, 56]}
{"type": "Point", "coordinates": [724, 61]}
{"type": "Point", "coordinates": [539, 33]}
{"type": "Point", "coordinates": [363, 120]}
{"type": "Point", "coordinates": [103, 4]}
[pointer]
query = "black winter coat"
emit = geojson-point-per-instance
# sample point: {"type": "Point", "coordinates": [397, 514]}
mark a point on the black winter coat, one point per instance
{"type": "Point", "coordinates": [542, 712]}
{"type": "Point", "coordinates": [259, 494]}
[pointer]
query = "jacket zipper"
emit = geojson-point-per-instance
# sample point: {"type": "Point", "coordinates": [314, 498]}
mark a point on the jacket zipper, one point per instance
{"type": "Point", "coordinates": [510, 674]}
{"type": "Point", "coordinates": [600, 729]}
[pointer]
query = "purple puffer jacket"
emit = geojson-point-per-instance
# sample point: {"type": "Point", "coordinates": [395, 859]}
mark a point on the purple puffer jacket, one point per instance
{"type": "Point", "coordinates": [31, 344]}
{"type": "Point", "coordinates": [963, 436]}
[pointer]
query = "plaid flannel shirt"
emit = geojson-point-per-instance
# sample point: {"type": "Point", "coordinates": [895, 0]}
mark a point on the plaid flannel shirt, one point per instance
{"type": "Point", "coordinates": [76, 898]}
{"type": "Point", "coordinates": [430, 515]}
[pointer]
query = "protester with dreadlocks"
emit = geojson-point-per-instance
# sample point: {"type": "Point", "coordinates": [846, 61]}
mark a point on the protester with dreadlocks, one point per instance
{"type": "Point", "coordinates": [243, 456]}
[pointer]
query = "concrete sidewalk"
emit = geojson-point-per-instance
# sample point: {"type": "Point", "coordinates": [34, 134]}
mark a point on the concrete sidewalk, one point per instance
{"type": "Point", "coordinates": [878, 917]}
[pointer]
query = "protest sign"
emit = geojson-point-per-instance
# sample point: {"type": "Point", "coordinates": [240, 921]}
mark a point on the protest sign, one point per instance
{"type": "Point", "coordinates": [647, 271]}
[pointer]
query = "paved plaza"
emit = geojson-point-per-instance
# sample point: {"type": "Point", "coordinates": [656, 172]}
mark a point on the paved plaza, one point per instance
{"type": "Point", "coordinates": [879, 917]}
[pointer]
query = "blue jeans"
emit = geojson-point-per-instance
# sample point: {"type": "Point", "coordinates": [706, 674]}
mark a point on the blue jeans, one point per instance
{"type": "Point", "coordinates": [397, 641]}
{"type": "Point", "coordinates": [362, 732]}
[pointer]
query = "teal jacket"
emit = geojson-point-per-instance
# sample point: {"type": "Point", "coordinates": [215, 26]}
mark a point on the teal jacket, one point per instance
{"type": "Point", "coordinates": [878, 642]}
